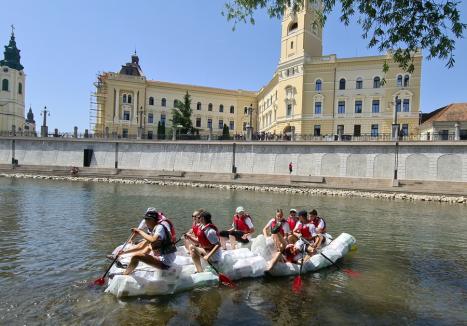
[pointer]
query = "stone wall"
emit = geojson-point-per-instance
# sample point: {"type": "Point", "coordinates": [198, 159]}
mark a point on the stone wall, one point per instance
{"type": "Point", "coordinates": [442, 161]}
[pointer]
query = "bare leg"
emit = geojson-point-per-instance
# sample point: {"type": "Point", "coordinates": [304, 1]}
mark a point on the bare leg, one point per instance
{"type": "Point", "coordinates": [273, 261]}
{"type": "Point", "coordinates": [145, 258]}
{"type": "Point", "coordinates": [279, 242]}
{"type": "Point", "coordinates": [196, 254]}
{"type": "Point", "coordinates": [233, 242]}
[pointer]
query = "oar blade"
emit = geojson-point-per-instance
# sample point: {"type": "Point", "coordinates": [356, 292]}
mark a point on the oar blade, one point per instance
{"type": "Point", "coordinates": [99, 281]}
{"type": "Point", "coordinates": [297, 284]}
{"type": "Point", "coordinates": [351, 273]}
{"type": "Point", "coordinates": [226, 281]}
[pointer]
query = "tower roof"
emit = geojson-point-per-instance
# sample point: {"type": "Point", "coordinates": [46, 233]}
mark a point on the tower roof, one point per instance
{"type": "Point", "coordinates": [132, 68]}
{"type": "Point", "coordinates": [30, 116]}
{"type": "Point", "coordinates": [11, 56]}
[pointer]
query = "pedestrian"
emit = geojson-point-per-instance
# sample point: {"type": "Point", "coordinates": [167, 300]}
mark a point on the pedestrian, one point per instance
{"type": "Point", "coordinates": [290, 168]}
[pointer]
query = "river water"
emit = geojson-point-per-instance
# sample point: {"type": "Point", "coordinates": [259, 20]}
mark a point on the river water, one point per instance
{"type": "Point", "coordinates": [411, 256]}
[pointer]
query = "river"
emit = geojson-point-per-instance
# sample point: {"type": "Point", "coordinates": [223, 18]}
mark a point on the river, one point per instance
{"type": "Point", "coordinates": [411, 258]}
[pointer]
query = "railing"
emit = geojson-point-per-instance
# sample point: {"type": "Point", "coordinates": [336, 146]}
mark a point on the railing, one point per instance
{"type": "Point", "coordinates": [257, 137]}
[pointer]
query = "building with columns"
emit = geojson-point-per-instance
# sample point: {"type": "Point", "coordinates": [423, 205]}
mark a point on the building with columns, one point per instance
{"type": "Point", "coordinates": [12, 89]}
{"type": "Point", "coordinates": [310, 94]}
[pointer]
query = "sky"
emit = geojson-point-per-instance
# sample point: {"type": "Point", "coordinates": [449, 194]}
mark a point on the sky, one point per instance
{"type": "Point", "coordinates": [65, 44]}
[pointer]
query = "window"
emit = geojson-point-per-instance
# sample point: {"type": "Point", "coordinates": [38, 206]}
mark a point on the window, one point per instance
{"type": "Point", "coordinates": [341, 107]}
{"type": "Point", "coordinates": [5, 85]}
{"type": "Point", "coordinates": [342, 83]}
{"type": "Point", "coordinates": [150, 134]}
{"type": "Point", "coordinates": [375, 106]}
{"type": "Point", "coordinates": [125, 133]}
{"type": "Point", "coordinates": [221, 108]}
{"type": "Point", "coordinates": [406, 80]}
{"type": "Point", "coordinates": [293, 27]}
{"type": "Point", "coordinates": [210, 107]}
{"type": "Point", "coordinates": [317, 130]}
{"type": "Point", "coordinates": [244, 126]}
{"type": "Point", "coordinates": [405, 130]}
{"type": "Point", "coordinates": [151, 100]}
{"type": "Point", "coordinates": [374, 130]}
{"type": "Point", "coordinates": [406, 105]}
{"type": "Point", "coordinates": [221, 124]}
{"type": "Point", "coordinates": [163, 102]}
{"type": "Point", "coordinates": [124, 98]}
{"type": "Point", "coordinates": [399, 81]}
{"type": "Point", "coordinates": [231, 125]}
{"type": "Point", "coordinates": [289, 110]}
{"type": "Point", "coordinates": [359, 83]}
{"type": "Point", "coordinates": [317, 107]}
{"type": "Point", "coordinates": [358, 106]}
{"type": "Point", "coordinates": [245, 110]}
{"type": "Point", "coordinates": [129, 98]}
{"type": "Point", "coordinates": [318, 85]}
{"type": "Point", "coordinates": [150, 118]}
{"type": "Point", "coordinates": [209, 123]}
{"type": "Point", "coordinates": [198, 106]}
{"type": "Point", "coordinates": [357, 130]}
{"type": "Point", "coordinates": [376, 82]}
{"type": "Point", "coordinates": [398, 105]}
{"type": "Point", "coordinates": [291, 45]}
{"type": "Point", "coordinates": [340, 129]}
{"type": "Point", "coordinates": [198, 122]}
{"type": "Point", "coordinates": [126, 115]}
{"type": "Point", "coordinates": [163, 119]}
{"type": "Point", "coordinates": [20, 88]}
{"type": "Point", "coordinates": [232, 109]}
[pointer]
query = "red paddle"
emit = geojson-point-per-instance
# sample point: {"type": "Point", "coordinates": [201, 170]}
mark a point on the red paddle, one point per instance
{"type": "Point", "coordinates": [297, 282]}
{"type": "Point", "coordinates": [223, 279]}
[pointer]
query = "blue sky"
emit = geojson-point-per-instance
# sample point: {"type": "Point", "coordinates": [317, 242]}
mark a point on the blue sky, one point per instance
{"type": "Point", "coordinates": [64, 44]}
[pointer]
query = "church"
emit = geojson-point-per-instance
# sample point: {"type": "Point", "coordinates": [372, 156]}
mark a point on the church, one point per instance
{"type": "Point", "coordinates": [310, 95]}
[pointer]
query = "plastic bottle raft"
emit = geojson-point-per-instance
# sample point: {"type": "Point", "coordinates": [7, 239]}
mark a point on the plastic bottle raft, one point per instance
{"type": "Point", "coordinates": [245, 262]}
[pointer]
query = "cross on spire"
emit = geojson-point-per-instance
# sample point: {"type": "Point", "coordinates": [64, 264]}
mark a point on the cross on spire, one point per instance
{"type": "Point", "coordinates": [12, 29]}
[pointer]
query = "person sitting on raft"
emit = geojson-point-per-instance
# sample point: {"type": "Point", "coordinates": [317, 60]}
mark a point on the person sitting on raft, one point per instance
{"type": "Point", "coordinates": [242, 228]}
{"type": "Point", "coordinates": [206, 245]}
{"type": "Point", "coordinates": [318, 222]}
{"type": "Point", "coordinates": [306, 230]}
{"type": "Point", "coordinates": [279, 230]}
{"type": "Point", "coordinates": [292, 219]}
{"type": "Point", "coordinates": [194, 227]}
{"type": "Point", "coordinates": [292, 253]}
{"type": "Point", "coordinates": [160, 251]}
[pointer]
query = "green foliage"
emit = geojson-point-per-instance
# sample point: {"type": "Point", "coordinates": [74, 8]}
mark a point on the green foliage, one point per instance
{"type": "Point", "coordinates": [225, 132]}
{"type": "Point", "coordinates": [181, 115]}
{"type": "Point", "coordinates": [160, 130]}
{"type": "Point", "coordinates": [401, 26]}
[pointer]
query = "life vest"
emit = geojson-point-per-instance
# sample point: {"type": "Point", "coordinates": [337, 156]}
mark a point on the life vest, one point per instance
{"type": "Point", "coordinates": [195, 228]}
{"type": "Point", "coordinates": [203, 239]}
{"type": "Point", "coordinates": [173, 237]}
{"type": "Point", "coordinates": [292, 223]}
{"type": "Point", "coordinates": [166, 246]}
{"type": "Point", "coordinates": [274, 224]}
{"type": "Point", "coordinates": [305, 231]}
{"type": "Point", "coordinates": [239, 223]}
{"type": "Point", "coordinates": [316, 222]}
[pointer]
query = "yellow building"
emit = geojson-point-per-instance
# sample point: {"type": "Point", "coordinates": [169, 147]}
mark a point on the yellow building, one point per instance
{"type": "Point", "coordinates": [310, 95]}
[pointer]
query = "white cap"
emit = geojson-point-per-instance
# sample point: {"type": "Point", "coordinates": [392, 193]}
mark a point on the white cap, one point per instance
{"type": "Point", "coordinates": [239, 209]}
{"type": "Point", "coordinates": [293, 210]}
{"type": "Point", "coordinates": [151, 210]}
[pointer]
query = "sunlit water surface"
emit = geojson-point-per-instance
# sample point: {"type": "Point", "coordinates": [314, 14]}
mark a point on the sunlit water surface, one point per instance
{"type": "Point", "coordinates": [54, 237]}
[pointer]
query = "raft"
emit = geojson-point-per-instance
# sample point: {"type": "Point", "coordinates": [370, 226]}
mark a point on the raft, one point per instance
{"type": "Point", "coordinates": [245, 262]}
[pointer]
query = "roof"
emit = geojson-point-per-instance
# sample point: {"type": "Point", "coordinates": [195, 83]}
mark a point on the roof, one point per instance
{"type": "Point", "coordinates": [451, 112]}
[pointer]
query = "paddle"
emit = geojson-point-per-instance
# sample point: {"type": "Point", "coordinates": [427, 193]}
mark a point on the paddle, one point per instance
{"type": "Point", "coordinates": [223, 279]}
{"type": "Point", "coordinates": [297, 282]}
{"type": "Point", "coordinates": [101, 281]}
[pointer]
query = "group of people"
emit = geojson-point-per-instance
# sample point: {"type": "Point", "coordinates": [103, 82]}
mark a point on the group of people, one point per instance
{"type": "Point", "coordinates": [296, 237]}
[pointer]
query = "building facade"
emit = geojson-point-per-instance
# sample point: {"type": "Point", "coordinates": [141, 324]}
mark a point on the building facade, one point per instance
{"type": "Point", "coordinates": [12, 89]}
{"type": "Point", "coordinates": [309, 94]}
{"type": "Point", "coordinates": [446, 123]}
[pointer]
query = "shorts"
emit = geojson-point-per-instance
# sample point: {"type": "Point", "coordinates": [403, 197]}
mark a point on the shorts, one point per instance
{"type": "Point", "coordinates": [166, 260]}
{"type": "Point", "coordinates": [237, 234]}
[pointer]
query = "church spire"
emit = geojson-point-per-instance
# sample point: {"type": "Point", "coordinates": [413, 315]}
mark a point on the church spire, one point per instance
{"type": "Point", "coordinates": [11, 54]}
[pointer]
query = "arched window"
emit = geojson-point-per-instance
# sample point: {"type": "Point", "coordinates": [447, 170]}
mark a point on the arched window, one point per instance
{"type": "Point", "coordinates": [20, 88]}
{"type": "Point", "coordinates": [318, 85]}
{"type": "Point", "coordinates": [221, 108]}
{"type": "Point", "coordinates": [151, 100]}
{"type": "Point", "coordinates": [164, 102]}
{"type": "Point", "coordinates": [359, 83]}
{"type": "Point", "coordinates": [198, 106]}
{"type": "Point", "coordinates": [376, 82]}
{"type": "Point", "coordinates": [342, 83]}
{"type": "Point", "coordinates": [124, 98]}
{"type": "Point", "coordinates": [406, 80]}
{"type": "Point", "coordinates": [5, 85]}
{"type": "Point", "coordinates": [232, 109]}
{"type": "Point", "coordinates": [399, 81]}
{"type": "Point", "coordinates": [210, 107]}
{"type": "Point", "coordinates": [292, 28]}
{"type": "Point", "coordinates": [129, 98]}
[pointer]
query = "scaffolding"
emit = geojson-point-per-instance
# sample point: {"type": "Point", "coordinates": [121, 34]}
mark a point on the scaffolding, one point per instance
{"type": "Point", "coordinates": [97, 103]}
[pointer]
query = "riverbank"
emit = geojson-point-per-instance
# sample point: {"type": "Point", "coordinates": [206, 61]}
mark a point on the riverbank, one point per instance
{"type": "Point", "coordinates": [243, 187]}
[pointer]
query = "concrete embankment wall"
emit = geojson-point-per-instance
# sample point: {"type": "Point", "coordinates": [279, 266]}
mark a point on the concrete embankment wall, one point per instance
{"type": "Point", "coordinates": [441, 161]}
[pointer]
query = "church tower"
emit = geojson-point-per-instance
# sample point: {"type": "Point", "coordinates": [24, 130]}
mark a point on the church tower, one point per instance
{"type": "Point", "coordinates": [12, 88]}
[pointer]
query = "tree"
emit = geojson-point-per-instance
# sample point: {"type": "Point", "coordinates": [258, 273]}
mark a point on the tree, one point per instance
{"type": "Point", "coordinates": [400, 26]}
{"type": "Point", "coordinates": [181, 115]}
{"type": "Point", "coordinates": [160, 130]}
{"type": "Point", "coordinates": [225, 132]}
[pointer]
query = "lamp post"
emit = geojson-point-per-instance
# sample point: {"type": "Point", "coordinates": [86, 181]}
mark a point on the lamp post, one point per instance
{"type": "Point", "coordinates": [395, 136]}
{"type": "Point", "coordinates": [141, 127]}
{"type": "Point", "coordinates": [250, 125]}
{"type": "Point", "coordinates": [44, 128]}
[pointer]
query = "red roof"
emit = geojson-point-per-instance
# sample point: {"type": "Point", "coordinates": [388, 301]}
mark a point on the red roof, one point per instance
{"type": "Point", "coordinates": [453, 112]}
